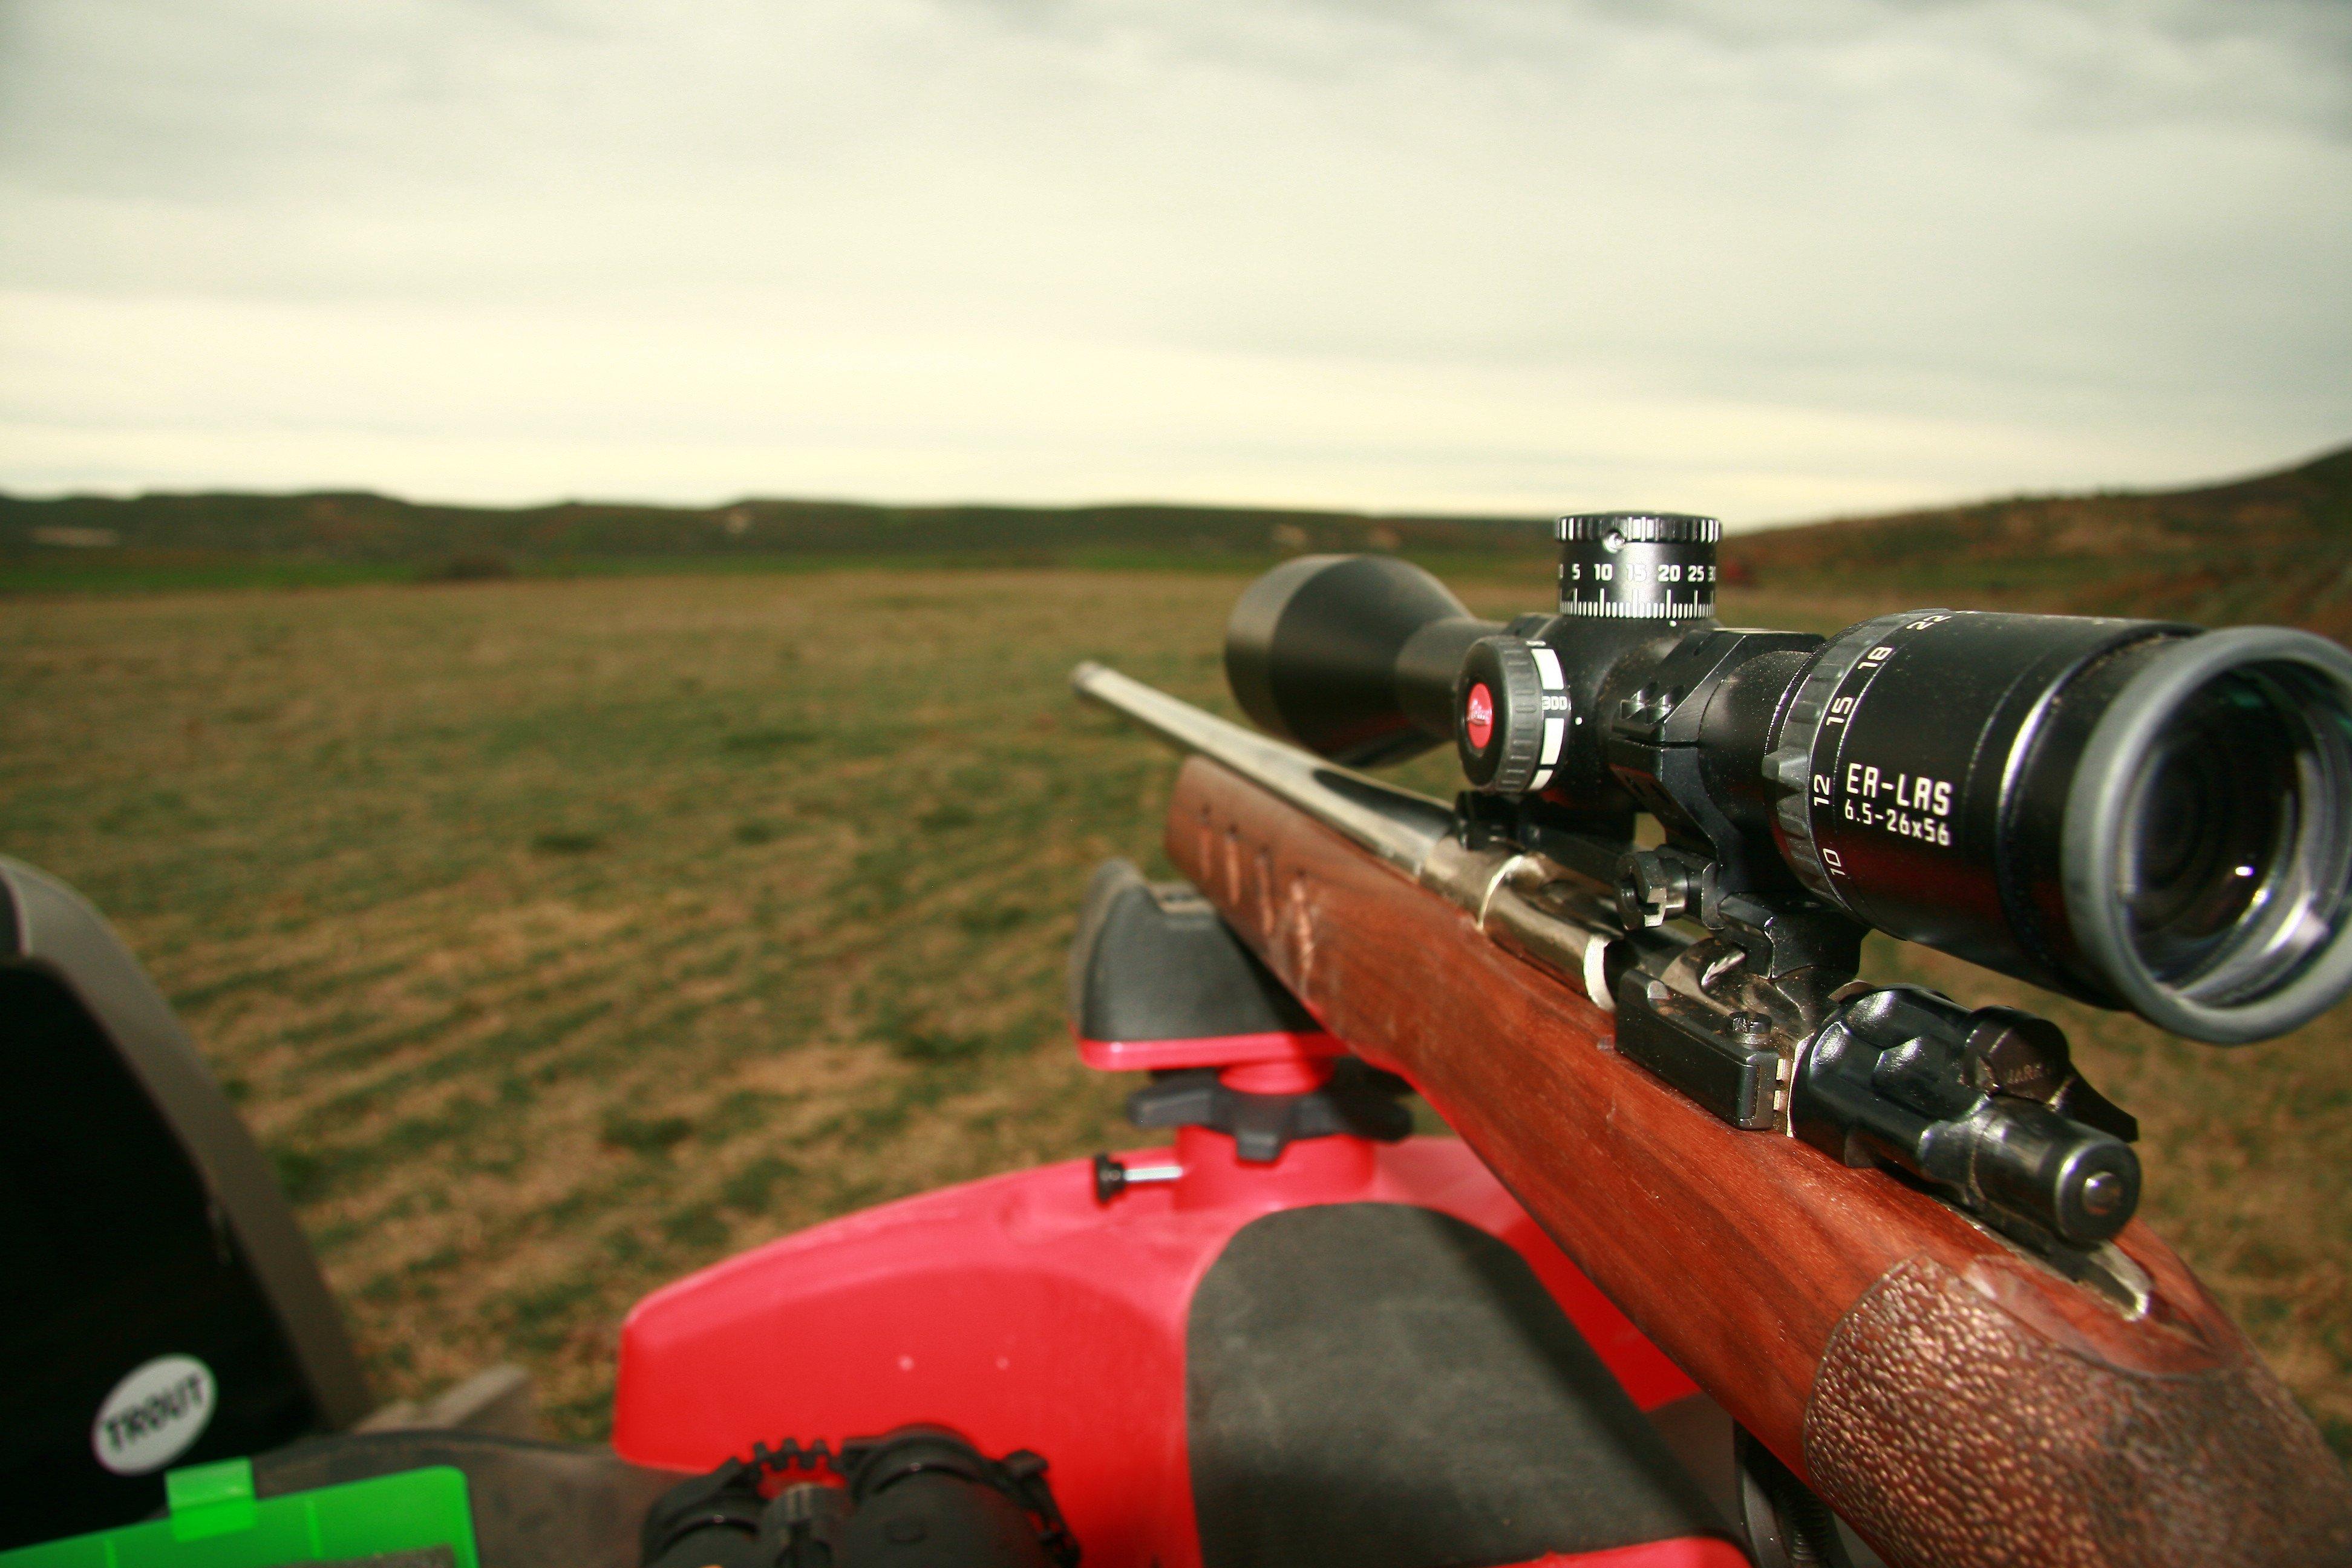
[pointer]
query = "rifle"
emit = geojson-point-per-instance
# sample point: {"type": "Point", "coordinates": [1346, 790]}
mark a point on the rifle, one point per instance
{"type": "Point", "coordinates": [1893, 1236]}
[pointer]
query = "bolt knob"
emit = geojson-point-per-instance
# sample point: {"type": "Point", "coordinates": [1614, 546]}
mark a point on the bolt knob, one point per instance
{"type": "Point", "coordinates": [1510, 715]}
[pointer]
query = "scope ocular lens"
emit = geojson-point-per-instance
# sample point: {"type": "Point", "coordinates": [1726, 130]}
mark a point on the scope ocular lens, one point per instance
{"type": "Point", "coordinates": [2208, 853]}
{"type": "Point", "coordinates": [2213, 823]}
{"type": "Point", "coordinates": [2234, 864]}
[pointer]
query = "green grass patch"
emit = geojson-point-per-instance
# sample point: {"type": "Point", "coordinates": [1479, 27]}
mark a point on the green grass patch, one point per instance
{"type": "Point", "coordinates": [644, 1134]}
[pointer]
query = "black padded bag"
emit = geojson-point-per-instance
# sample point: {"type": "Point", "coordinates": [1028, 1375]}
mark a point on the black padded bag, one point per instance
{"type": "Point", "coordinates": [1372, 1386]}
{"type": "Point", "coordinates": [140, 1232]}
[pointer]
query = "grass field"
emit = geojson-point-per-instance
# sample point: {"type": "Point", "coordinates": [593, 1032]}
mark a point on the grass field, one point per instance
{"type": "Point", "coordinates": [559, 937]}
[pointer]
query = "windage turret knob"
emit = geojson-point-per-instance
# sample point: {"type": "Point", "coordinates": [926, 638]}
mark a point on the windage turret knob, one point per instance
{"type": "Point", "coordinates": [1510, 715]}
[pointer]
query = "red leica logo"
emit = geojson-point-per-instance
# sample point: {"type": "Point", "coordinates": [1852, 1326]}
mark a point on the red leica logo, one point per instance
{"type": "Point", "coordinates": [1478, 717]}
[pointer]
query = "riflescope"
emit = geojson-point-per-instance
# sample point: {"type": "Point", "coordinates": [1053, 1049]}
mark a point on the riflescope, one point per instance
{"type": "Point", "coordinates": [2139, 814]}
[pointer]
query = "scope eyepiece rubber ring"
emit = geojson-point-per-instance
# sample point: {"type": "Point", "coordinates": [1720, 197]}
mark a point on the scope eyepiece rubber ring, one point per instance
{"type": "Point", "coordinates": [2095, 823]}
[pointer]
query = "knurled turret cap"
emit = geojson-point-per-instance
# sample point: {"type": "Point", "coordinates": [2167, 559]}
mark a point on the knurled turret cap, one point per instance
{"type": "Point", "coordinates": [1639, 528]}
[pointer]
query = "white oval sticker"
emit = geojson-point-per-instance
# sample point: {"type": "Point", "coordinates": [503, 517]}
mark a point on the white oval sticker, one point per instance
{"type": "Point", "coordinates": [154, 1415]}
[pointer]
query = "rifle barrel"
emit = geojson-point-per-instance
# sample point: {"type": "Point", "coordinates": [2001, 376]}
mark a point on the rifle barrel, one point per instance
{"type": "Point", "coordinates": [1396, 825]}
{"type": "Point", "coordinates": [1543, 910]}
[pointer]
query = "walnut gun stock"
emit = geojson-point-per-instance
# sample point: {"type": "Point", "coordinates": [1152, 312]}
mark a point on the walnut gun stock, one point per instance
{"type": "Point", "coordinates": [1967, 1386]}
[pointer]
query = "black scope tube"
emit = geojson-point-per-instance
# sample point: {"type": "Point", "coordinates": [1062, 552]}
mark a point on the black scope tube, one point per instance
{"type": "Point", "coordinates": [2139, 814]}
{"type": "Point", "coordinates": [1352, 657]}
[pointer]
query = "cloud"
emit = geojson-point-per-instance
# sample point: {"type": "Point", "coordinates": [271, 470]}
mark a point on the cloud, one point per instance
{"type": "Point", "coordinates": [1768, 260]}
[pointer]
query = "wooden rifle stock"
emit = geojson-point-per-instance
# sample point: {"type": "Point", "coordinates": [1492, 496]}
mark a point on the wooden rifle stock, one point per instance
{"type": "Point", "coordinates": [1961, 1402]}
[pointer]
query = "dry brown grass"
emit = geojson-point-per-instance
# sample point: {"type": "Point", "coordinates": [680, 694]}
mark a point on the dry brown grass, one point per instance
{"type": "Point", "coordinates": [558, 938]}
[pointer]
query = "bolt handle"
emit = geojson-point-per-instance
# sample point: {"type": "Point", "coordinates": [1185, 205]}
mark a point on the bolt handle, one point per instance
{"type": "Point", "coordinates": [1985, 1104]}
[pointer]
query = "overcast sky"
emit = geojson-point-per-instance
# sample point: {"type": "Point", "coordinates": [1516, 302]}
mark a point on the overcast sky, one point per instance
{"type": "Point", "coordinates": [1770, 260]}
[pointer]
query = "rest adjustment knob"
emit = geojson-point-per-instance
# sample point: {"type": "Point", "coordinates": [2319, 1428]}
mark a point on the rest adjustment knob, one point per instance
{"type": "Point", "coordinates": [1510, 715]}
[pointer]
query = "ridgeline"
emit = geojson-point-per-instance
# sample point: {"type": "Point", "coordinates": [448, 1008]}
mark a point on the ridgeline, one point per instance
{"type": "Point", "coordinates": [326, 537]}
{"type": "Point", "coordinates": [2277, 547]}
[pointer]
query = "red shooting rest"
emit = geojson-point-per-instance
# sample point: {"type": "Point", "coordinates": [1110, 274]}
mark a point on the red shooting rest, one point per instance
{"type": "Point", "coordinates": [1022, 1312]}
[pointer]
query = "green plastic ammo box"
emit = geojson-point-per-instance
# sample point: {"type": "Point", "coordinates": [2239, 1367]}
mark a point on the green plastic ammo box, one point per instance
{"type": "Point", "coordinates": [215, 1522]}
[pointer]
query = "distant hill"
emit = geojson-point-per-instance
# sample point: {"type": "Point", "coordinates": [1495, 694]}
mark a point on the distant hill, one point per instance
{"type": "Point", "coordinates": [2276, 548]}
{"type": "Point", "coordinates": [362, 530]}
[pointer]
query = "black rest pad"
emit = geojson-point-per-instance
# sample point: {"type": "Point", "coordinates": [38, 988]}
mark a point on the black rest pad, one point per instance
{"type": "Point", "coordinates": [1373, 1385]}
